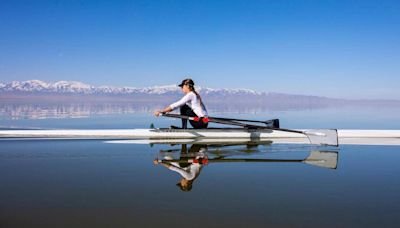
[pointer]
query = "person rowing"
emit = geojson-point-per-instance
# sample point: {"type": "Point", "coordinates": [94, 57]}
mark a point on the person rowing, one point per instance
{"type": "Point", "coordinates": [190, 165]}
{"type": "Point", "coordinates": [190, 105]}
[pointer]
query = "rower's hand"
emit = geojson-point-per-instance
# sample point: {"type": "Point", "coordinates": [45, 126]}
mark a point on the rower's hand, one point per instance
{"type": "Point", "coordinates": [155, 161]}
{"type": "Point", "coordinates": [157, 113]}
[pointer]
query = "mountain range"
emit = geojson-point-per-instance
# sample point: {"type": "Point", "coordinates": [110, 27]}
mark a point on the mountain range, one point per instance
{"type": "Point", "coordinates": [37, 91]}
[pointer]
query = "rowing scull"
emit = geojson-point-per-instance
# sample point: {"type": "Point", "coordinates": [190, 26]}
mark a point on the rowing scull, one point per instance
{"type": "Point", "coordinates": [160, 133]}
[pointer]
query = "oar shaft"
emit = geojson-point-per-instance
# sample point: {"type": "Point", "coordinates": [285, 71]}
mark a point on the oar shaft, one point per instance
{"type": "Point", "coordinates": [215, 120]}
{"type": "Point", "coordinates": [288, 130]}
{"type": "Point", "coordinates": [230, 122]}
{"type": "Point", "coordinates": [230, 119]}
{"type": "Point", "coordinates": [244, 120]}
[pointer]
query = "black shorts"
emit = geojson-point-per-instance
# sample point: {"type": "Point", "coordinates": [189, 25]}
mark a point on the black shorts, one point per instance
{"type": "Point", "coordinates": [187, 111]}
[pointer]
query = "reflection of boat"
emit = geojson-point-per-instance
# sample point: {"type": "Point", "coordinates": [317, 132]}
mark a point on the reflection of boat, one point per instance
{"type": "Point", "coordinates": [192, 157]}
{"type": "Point", "coordinates": [325, 159]}
{"type": "Point", "coordinates": [204, 141]}
{"type": "Point", "coordinates": [231, 151]}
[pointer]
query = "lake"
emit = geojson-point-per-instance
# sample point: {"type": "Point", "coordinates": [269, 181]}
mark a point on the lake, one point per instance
{"type": "Point", "coordinates": [98, 183]}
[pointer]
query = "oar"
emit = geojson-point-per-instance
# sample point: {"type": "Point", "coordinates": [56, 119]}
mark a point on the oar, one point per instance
{"type": "Point", "coordinates": [317, 136]}
{"type": "Point", "coordinates": [271, 123]}
{"type": "Point", "coordinates": [325, 159]}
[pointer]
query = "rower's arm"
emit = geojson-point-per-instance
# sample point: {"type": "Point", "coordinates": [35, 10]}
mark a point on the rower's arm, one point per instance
{"type": "Point", "coordinates": [156, 162]}
{"type": "Point", "coordinates": [165, 110]}
{"type": "Point", "coordinates": [175, 105]}
{"type": "Point", "coordinates": [187, 98]}
{"type": "Point", "coordinates": [185, 174]}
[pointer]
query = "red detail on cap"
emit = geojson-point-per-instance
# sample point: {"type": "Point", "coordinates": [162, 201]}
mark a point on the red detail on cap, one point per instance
{"type": "Point", "coordinates": [205, 120]}
{"type": "Point", "coordinates": [196, 119]}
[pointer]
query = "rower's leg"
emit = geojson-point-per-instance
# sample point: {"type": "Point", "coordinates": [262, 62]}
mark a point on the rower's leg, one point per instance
{"type": "Point", "coordinates": [198, 124]}
{"type": "Point", "coordinates": [184, 124]}
{"type": "Point", "coordinates": [184, 156]}
{"type": "Point", "coordinates": [185, 110]}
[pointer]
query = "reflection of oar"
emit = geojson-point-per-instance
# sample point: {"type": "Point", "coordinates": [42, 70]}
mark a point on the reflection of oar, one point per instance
{"type": "Point", "coordinates": [325, 159]}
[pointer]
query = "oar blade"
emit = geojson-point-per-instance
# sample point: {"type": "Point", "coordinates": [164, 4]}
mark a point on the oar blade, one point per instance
{"type": "Point", "coordinates": [327, 137]}
{"type": "Point", "coordinates": [325, 159]}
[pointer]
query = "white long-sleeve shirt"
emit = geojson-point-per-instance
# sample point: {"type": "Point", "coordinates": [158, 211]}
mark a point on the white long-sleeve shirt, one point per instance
{"type": "Point", "coordinates": [189, 173]}
{"type": "Point", "coordinates": [193, 102]}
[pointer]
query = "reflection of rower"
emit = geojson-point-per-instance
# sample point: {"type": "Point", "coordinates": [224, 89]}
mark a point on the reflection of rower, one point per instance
{"type": "Point", "coordinates": [190, 169]}
{"type": "Point", "coordinates": [191, 162]}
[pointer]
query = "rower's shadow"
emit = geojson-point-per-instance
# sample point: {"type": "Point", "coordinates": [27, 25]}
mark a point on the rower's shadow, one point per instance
{"type": "Point", "coordinates": [189, 159]}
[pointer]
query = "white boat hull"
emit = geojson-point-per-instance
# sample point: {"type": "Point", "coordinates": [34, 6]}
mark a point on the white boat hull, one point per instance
{"type": "Point", "coordinates": [359, 137]}
{"type": "Point", "coordinates": [147, 134]}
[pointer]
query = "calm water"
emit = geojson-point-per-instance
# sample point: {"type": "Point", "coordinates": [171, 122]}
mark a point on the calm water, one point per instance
{"type": "Point", "coordinates": [94, 183]}
{"type": "Point", "coordinates": [62, 183]}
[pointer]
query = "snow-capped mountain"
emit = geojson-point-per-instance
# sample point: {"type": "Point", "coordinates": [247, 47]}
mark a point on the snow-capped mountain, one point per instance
{"type": "Point", "coordinates": [73, 91]}
{"type": "Point", "coordinates": [82, 88]}
{"type": "Point", "coordinates": [40, 86]}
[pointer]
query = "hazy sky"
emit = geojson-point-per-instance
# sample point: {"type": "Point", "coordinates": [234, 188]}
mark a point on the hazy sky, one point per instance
{"type": "Point", "coordinates": [331, 48]}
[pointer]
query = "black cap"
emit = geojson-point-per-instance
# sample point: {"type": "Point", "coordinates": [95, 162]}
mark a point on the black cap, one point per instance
{"type": "Point", "coordinates": [186, 81]}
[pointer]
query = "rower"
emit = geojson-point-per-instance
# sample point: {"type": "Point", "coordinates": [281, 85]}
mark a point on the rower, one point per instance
{"type": "Point", "coordinates": [189, 165]}
{"type": "Point", "coordinates": [190, 105]}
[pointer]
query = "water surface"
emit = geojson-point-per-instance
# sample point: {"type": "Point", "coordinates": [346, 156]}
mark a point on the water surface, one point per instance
{"type": "Point", "coordinates": [93, 183]}
{"type": "Point", "coordinates": [70, 183]}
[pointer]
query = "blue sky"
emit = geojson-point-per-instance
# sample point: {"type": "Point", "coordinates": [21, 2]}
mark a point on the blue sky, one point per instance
{"type": "Point", "coordinates": [345, 49]}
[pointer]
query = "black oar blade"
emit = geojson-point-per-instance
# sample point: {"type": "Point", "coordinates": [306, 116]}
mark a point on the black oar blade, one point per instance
{"type": "Point", "coordinates": [328, 137]}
